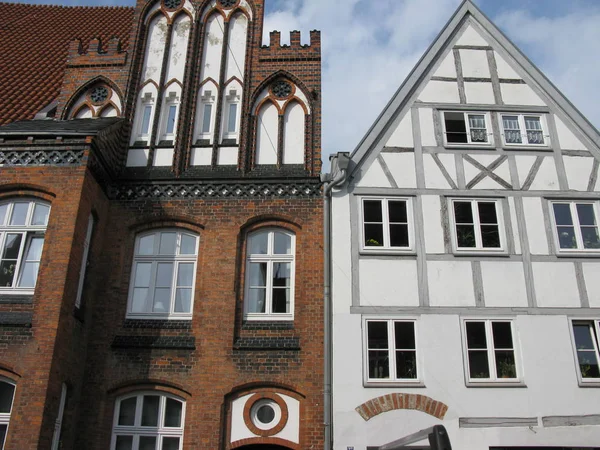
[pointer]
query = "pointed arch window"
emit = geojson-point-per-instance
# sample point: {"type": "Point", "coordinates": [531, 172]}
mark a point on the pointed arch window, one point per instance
{"type": "Point", "coordinates": [231, 115]}
{"type": "Point", "coordinates": [170, 114]}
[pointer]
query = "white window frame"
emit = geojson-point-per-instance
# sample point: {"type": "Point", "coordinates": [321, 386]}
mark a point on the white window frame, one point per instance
{"type": "Point", "coordinates": [84, 260]}
{"type": "Point", "coordinates": [392, 380]}
{"type": "Point", "coordinates": [234, 98]}
{"type": "Point", "coordinates": [207, 99]}
{"type": "Point", "coordinates": [466, 114]}
{"type": "Point", "coordinates": [137, 430]}
{"type": "Point", "coordinates": [170, 99]}
{"type": "Point", "coordinates": [523, 131]}
{"type": "Point", "coordinates": [493, 380]}
{"type": "Point", "coordinates": [270, 258]}
{"type": "Point", "coordinates": [503, 249]}
{"type": "Point", "coordinates": [146, 100]}
{"type": "Point", "coordinates": [155, 259]}
{"type": "Point", "coordinates": [59, 418]}
{"type": "Point", "coordinates": [5, 417]}
{"type": "Point", "coordinates": [595, 323]}
{"type": "Point", "coordinates": [386, 247]}
{"type": "Point", "coordinates": [28, 232]}
{"type": "Point", "coordinates": [576, 224]}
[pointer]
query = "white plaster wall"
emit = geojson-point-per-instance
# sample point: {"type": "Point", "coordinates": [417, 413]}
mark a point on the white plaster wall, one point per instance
{"type": "Point", "coordinates": [471, 171]}
{"type": "Point", "coordinates": [474, 63]}
{"type": "Point", "coordinates": [236, 56]}
{"type": "Point", "coordinates": [84, 113]}
{"type": "Point", "coordinates": [450, 283]}
{"type": "Point", "coordinates": [481, 93]}
{"type": "Point", "coordinates": [503, 171]}
{"type": "Point", "coordinates": [471, 36]}
{"type": "Point", "coordinates": [402, 168]}
{"type": "Point", "coordinates": [440, 92]}
{"type": "Point", "coordinates": [432, 220]}
{"type": "Point", "coordinates": [503, 284]}
{"type": "Point", "coordinates": [524, 165]}
{"type": "Point", "coordinates": [555, 284]}
{"type": "Point", "coordinates": [373, 176]}
{"type": "Point", "coordinates": [515, 225]}
{"type": "Point", "coordinates": [227, 156]}
{"type": "Point", "coordinates": [434, 178]}
{"type": "Point", "coordinates": [520, 94]}
{"type": "Point", "coordinates": [568, 141]}
{"type": "Point", "coordinates": [178, 50]}
{"type": "Point", "coordinates": [109, 111]}
{"type": "Point", "coordinates": [447, 68]}
{"type": "Point", "coordinates": [504, 69]}
{"type": "Point", "coordinates": [402, 135]}
{"type": "Point", "coordinates": [341, 252]}
{"type": "Point", "coordinates": [591, 276]}
{"type": "Point", "coordinates": [388, 282]}
{"type": "Point", "coordinates": [201, 156]}
{"type": "Point", "coordinates": [266, 135]}
{"type": "Point", "coordinates": [546, 178]}
{"type": "Point", "coordinates": [116, 100]}
{"type": "Point", "coordinates": [578, 170]}
{"type": "Point", "coordinates": [213, 42]}
{"type": "Point", "coordinates": [293, 134]}
{"type": "Point", "coordinates": [163, 157]}
{"type": "Point", "coordinates": [239, 430]}
{"type": "Point", "coordinates": [427, 127]}
{"type": "Point", "coordinates": [534, 222]}
{"type": "Point", "coordinates": [153, 59]}
{"type": "Point", "coordinates": [137, 158]}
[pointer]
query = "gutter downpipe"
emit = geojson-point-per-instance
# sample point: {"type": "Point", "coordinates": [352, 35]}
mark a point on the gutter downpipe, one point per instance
{"type": "Point", "coordinates": [329, 184]}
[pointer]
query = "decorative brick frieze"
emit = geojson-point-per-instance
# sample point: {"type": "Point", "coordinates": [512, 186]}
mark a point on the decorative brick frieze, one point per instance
{"type": "Point", "coordinates": [394, 401]}
{"type": "Point", "coordinates": [268, 325]}
{"type": "Point", "coordinates": [165, 342]}
{"type": "Point", "coordinates": [16, 299]}
{"type": "Point", "coordinates": [158, 324]}
{"type": "Point", "coordinates": [41, 157]}
{"type": "Point", "coordinates": [267, 343]}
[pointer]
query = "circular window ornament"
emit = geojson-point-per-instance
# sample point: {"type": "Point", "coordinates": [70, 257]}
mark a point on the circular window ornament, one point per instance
{"type": "Point", "coordinates": [281, 89]}
{"type": "Point", "coordinates": [172, 4]}
{"type": "Point", "coordinates": [99, 94]}
{"type": "Point", "coordinates": [228, 3]}
{"type": "Point", "coordinates": [265, 414]}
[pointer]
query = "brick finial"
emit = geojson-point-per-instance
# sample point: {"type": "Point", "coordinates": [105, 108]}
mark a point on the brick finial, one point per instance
{"type": "Point", "coordinates": [114, 46]}
{"type": "Point", "coordinates": [315, 38]}
{"type": "Point", "coordinates": [295, 38]}
{"type": "Point", "coordinates": [74, 48]}
{"type": "Point", "coordinates": [275, 39]}
{"type": "Point", "coordinates": [113, 56]}
{"type": "Point", "coordinates": [394, 401]}
{"type": "Point", "coordinates": [95, 46]}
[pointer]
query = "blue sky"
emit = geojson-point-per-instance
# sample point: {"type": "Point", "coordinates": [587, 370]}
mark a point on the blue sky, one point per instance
{"type": "Point", "coordinates": [369, 46]}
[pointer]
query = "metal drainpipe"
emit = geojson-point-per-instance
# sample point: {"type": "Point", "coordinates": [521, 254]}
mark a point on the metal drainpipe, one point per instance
{"type": "Point", "coordinates": [328, 319]}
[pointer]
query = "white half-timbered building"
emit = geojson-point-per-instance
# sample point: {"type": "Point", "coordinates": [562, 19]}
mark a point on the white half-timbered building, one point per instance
{"type": "Point", "coordinates": [465, 257]}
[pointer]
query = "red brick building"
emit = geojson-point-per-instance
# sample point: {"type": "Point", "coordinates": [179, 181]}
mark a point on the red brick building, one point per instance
{"type": "Point", "coordinates": [160, 229]}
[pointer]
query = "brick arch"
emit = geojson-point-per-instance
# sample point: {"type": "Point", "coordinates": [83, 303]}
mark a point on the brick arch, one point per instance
{"type": "Point", "coordinates": [390, 402]}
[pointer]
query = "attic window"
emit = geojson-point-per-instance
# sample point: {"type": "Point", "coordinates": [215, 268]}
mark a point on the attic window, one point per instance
{"type": "Point", "coordinates": [172, 4]}
{"type": "Point", "coordinates": [466, 128]}
{"type": "Point", "coordinates": [281, 89]}
{"type": "Point", "coordinates": [99, 94]}
{"type": "Point", "coordinates": [227, 3]}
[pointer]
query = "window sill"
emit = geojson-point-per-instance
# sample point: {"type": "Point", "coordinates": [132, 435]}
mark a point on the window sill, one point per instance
{"type": "Point", "coordinates": [158, 317]}
{"type": "Point", "coordinates": [394, 384]}
{"type": "Point", "coordinates": [589, 384]}
{"type": "Point", "coordinates": [487, 146]}
{"type": "Point", "coordinates": [578, 254]}
{"type": "Point", "coordinates": [269, 318]}
{"type": "Point", "coordinates": [480, 253]}
{"type": "Point", "coordinates": [174, 324]}
{"type": "Point", "coordinates": [521, 148]}
{"type": "Point", "coordinates": [495, 384]}
{"type": "Point", "coordinates": [387, 251]}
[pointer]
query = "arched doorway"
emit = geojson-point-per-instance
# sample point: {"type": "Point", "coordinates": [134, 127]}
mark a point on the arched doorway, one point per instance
{"type": "Point", "coordinates": [263, 447]}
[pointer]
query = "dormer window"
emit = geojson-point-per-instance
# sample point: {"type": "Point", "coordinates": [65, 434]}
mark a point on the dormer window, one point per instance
{"type": "Point", "coordinates": [231, 116]}
{"type": "Point", "coordinates": [523, 129]}
{"type": "Point", "coordinates": [466, 128]}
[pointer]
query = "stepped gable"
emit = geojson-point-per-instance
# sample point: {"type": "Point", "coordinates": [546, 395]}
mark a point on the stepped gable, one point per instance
{"type": "Point", "coordinates": [34, 44]}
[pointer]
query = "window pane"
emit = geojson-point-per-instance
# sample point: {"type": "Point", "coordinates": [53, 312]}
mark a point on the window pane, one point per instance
{"type": "Point", "coordinates": [283, 244]}
{"type": "Point", "coordinates": [583, 336]}
{"type": "Point", "coordinates": [487, 212]}
{"type": "Point", "coordinates": [12, 246]}
{"type": "Point", "coordinates": [397, 211]}
{"type": "Point", "coordinates": [456, 130]}
{"type": "Point", "coordinates": [588, 364]}
{"type": "Point", "coordinates": [40, 214]}
{"type": "Point", "coordinates": [168, 242]}
{"type": "Point", "coordinates": [232, 118]}
{"type": "Point", "coordinates": [164, 275]}
{"type": "Point", "coordinates": [258, 274]}
{"type": "Point", "coordinates": [185, 275]}
{"type": "Point", "coordinates": [171, 119]}
{"type": "Point", "coordinates": [372, 211]}
{"type": "Point", "coordinates": [256, 300]}
{"type": "Point", "coordinates": [566, 237]}
{"type": "Point", "coordinates": [146, 119]}
{"type": "Point", "coordinates": [405, 335]}
{"type": "Point", "coordinates": [34, 252]}
{"type": "Point", "coordinates": [377, 333]}
{"type": "Point", "coordinates": [399, 236]}
{"type": "Point", "coordinates": [585, 212]}
{"type": "Point", "coordinates": [188, 244]}
{"type": "Point", "coordinates": [258, 244]}
{"type": "Point", "coordinates": [505, 364]}
{"type": "Point", "coordinates": [490, 236]}
{"type": "Point", "coordinates": [463, 212]}
{"type": "Point", "coordinates": [512, 132]}
{"type": "Point", "coordinates": [146, 245]}
{"type": "Point", "coordinates": [150, 411]}
{"type": "Point", "coordinates": [19, 213]}
{"type": "Point", "coordinates": [147, 443]}
{"type": "Point", "coordinates": [3, 429]}
{"type": "Point", "coordinates": [142, 274]}
{"type": "Point", "coordinates": [373, 235]}
{"type": "Point", "coordinates": [281, 274]}
{"type": "Point", "coordinates": [476, 335]}
{"type": "Point", "coordinates": [183, 300]}
{"type": "Point", "coordinates": [29, 274]}
{"type": "Point", "coordinates": [465, 236]}
{"type": "Point", "coordinates": [206, 118]}
{"type": "Point", "coordinates": [478, 364]}
{"type": "Point", "coordinates": [140, 300]}
{"type": "Point", "coordinates": [502, 333]}
{"type": "Point", "coordinates": [7, 392]}
{"type": "Point", "coordinates": [379, 364]}
{"type": "Point", "coordinates": [3, 209]}
{"type": "Point", "coordinates": [7, 273]}
{"type": "Point", "coordinates": [406, 365]}
{"type": "Point", "coordinates": [173, 413]}
{"type": "Point", "coordinates": [127, 411]}
{"type": "Point", "coordinates": [170, 443]}
{"type": "Point", "coordinates": [162, 300]}
{"type": "Point", "coordinates": [124, 443]}
{"type": "Point", "coordinates": [590, 237]}
{"type": "Point", "coordinates": [562, 214]}
{"type": "Point", "coordinates": [477, 126]}
{"type": "Point", "coordinates": [281, 301]}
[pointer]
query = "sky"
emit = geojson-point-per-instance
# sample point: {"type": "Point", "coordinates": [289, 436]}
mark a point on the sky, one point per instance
{"type": "Point", "coordinates": [370, 46]}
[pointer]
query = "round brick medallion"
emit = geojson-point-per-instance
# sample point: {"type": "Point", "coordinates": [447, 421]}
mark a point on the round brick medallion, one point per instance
{"type": "Point", "coordinates": [281, 89]}
{"type": "Point", "coordinates": [265, 414]}
{"type": "Point", "coordinates": [172, 4]}
{"type": "Point", "coordinates": [99, 94]}
{"type": "Point", "coordinates": [228, 3]}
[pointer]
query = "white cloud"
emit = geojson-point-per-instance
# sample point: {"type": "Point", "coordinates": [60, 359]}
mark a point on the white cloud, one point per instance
{"type": "Point", "coordinates": [370, 47]}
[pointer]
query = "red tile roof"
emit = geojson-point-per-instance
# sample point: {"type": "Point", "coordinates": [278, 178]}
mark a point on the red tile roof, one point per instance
{"type": "Point", "coordinates": [34, 42]}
